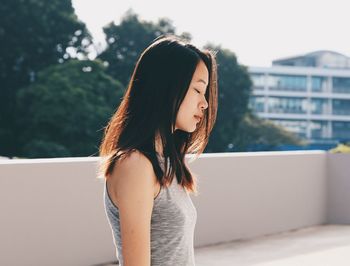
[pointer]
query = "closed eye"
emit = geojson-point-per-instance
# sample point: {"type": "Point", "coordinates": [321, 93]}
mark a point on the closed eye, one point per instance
{"type": "Point", "coordinates": [197, 91]}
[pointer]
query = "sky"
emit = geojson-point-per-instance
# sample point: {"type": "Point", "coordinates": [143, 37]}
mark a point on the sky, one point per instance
{"type": "Point", "coordinates": [257, 31]}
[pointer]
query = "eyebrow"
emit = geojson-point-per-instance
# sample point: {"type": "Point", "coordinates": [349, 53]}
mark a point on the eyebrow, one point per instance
{"type": "Point", "coordinates": [201, 80]}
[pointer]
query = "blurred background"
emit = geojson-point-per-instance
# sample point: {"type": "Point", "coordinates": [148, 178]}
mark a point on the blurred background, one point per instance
{"type": "Point", "coordinates": [283, 68]}
{"type": "Point", "coordinates": [284, 85]}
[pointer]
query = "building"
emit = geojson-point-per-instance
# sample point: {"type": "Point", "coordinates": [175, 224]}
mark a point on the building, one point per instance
{"type": "Point", "coordinates": [309, 95]}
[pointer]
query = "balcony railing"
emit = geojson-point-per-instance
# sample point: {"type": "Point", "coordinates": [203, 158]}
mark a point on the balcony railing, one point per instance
{"type": "Point", "coordinates": [52, 209]}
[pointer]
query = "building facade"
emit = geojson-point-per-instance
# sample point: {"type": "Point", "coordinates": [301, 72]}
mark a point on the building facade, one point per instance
{"type": "Point", "coordinates": [309, 95]}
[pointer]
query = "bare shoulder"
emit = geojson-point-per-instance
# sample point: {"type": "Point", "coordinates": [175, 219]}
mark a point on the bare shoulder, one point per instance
{"type": "Point", "coordinates": [132, 175]}
{"type": "Point", "coordinates": [133, 159]}
{"type": "Point", "coordinates": [135, 165]}
{"type": "Point", "coordinates": [133, 185]}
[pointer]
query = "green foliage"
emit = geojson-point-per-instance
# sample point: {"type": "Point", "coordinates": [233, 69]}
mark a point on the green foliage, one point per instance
{"type": "Point", "coordinates": [44, 149]}
{"type": "Point", "coordinates": [34, 34]}
{"type": "Point", "coordinates": [49, 109]}
{"type": "Point", "coordinates": [127, 40]}
{"type": "Point", "coordinates": [341, 148]}
{"type": "Point", "coordinates": [234, 87]}
{"type": "Point", "coordinates": [64, 111]}
{"type": "Point", "coordinates": [256, 131]}
{"type": "Point", "coordinates": [236, 126]}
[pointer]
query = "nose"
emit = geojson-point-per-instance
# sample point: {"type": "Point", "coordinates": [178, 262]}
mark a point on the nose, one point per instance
{"type": "Point", "coordinates": [204, 104]}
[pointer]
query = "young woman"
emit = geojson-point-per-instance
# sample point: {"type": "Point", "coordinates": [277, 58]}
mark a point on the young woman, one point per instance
{"type": "Point", "coordinates": [168, 110]}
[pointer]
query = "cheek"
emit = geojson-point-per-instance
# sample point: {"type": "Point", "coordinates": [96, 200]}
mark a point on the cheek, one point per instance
{"type": "Point", "coordinates": [184, 112]}
{"type": "Point", "coordinates": [189, 102]}
{"type": "Point", "coordinates": [187, 106]}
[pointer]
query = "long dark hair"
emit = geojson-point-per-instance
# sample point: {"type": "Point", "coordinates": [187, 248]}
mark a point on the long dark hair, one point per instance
{"type": "Point", "coordinates": [150, 105]}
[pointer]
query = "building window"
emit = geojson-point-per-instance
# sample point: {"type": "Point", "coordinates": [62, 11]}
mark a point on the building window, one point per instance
{"type": "Point", "coordinates": [319, 84]}
{"type": "Point", "coordinates": [256, 104]}
{"type": "Point", "coordinates": [341, 130]}
{"type": "Point", "coordinates": [318, 129]}
{"type": "Point", "coordinates": [341, 85]}
{"type": "Point", "coordinates": [258, 81]}
{"type": "Point", "coordinates": [319, 106]}
{"type": "Point", "coordinates": [286, 82]}
{"type": "Point", "coordinates": [287, 105]}
{"type": "Point", "coordinates": [298, 127]}
{"type": "Point", "coordinates": [341, 107]}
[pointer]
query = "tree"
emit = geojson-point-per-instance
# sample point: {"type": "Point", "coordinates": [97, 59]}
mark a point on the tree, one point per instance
{"type": "Point", "coordinates": [34, 34]}
{"type": "Point", "coordinates": [127, 40]}
{"type": "Point", "coordinates": [63, 113]}
{"type": "Point", "coordinates": [236, 128]}
{"type": "Point", "coordinates": [234, 86]}
{"type": "Point", "coordinates": [256, 132]}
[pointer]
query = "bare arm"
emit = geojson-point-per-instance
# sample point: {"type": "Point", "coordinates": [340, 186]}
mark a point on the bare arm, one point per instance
{"type": "Point", "coordinates": [133, 183]}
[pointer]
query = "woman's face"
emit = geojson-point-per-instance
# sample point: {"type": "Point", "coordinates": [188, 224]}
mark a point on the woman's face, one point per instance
{"type": "Point", "coordinates": [194, 102]}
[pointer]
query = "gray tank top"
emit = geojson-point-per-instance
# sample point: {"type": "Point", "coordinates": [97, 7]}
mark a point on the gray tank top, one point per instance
{"type": "Point", "coordinates": [172, 226]}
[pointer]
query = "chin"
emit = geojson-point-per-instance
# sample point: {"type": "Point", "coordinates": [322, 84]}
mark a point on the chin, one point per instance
{"type": "Point", "coordinates": [191, 129]}
{"type": "Point", "coordinates": [188, 130]}
{"type": "Point", "coordinates": [188, 127]}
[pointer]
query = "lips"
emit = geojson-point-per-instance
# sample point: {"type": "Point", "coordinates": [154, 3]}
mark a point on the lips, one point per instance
{"type": "Point", "coordinates": [198, 117]}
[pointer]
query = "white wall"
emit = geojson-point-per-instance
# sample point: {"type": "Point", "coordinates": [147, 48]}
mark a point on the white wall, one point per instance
{"type": "Point", "coordinates": [52, 209]}
{"type": "Point", "coordinates": [52, 213]}
{"type": "Point", "coordinates": [244, 195]}
{"type": "Point", "coordinates": [338, 207]}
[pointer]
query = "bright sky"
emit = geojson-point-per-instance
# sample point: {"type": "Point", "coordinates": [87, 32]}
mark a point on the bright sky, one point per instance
{"type": "Point", "coordinates": [258, 31]}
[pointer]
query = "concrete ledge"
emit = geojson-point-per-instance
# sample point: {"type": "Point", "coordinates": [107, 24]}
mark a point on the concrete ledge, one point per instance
{"type": "Point", "coordinates": [52, 209]}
